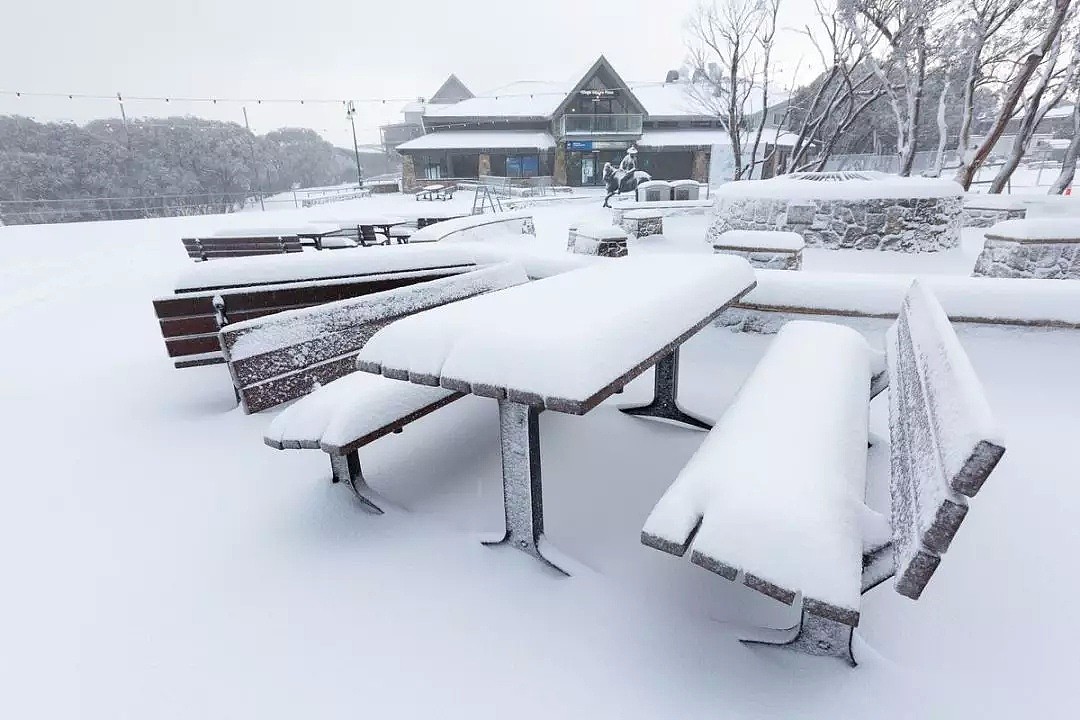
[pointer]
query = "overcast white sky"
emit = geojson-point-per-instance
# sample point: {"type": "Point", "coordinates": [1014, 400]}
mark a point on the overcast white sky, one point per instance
{"type": "Point", "coordinates": [325, 49]}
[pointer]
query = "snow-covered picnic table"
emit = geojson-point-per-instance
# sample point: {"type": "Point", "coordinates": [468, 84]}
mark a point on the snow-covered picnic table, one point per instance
{"type": "Point", "coordinates": [564, 343]}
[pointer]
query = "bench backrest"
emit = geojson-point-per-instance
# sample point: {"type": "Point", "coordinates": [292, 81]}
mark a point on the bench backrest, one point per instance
{"type": "Point", "coordinates": [281, 357]}
{"type": "Point", "coordinates": [944, 439]}
{"type": "Point", "coordinates": [190, 321]}
{"type": "Point", "coordinates": [223, 247]}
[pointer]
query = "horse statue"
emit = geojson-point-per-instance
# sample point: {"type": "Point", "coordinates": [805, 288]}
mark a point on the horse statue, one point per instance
{"type": "Point", "coordinates": [618, 181]}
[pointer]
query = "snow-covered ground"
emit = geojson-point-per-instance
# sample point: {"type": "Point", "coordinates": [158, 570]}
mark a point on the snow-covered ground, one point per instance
{"type": "Point", "coordinates": [161, 562]}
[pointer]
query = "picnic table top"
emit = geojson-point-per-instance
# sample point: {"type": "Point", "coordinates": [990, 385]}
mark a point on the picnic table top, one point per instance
{"type": "Point", "coordinates": [308, 229]}
{"type": "Point", "coordinates": [565, 342]}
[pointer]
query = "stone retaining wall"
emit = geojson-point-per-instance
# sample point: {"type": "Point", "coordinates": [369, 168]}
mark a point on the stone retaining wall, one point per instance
{"type": "Point", "coordinates": [1043, 260]}
{"type": "Point", "coordinates": [985, 217]}
{"type": "Point", "coordinates": [906, 225]}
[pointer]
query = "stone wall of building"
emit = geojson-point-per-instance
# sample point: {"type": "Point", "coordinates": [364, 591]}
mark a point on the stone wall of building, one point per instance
{"type": "Point", "coordinates": [985, 217]}
{"type": "Point", "coordinates": [1043, 260]}
{"type": "Point", "coordinates": [700, 170]}
{"type": "Point", "coordinates": [906, 225]}
{"type": "Point", "coordinates": [408, 173]}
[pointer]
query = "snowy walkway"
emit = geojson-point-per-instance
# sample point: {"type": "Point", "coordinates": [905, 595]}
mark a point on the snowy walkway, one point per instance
{"type": "Point", "coordinates": [161, 562]}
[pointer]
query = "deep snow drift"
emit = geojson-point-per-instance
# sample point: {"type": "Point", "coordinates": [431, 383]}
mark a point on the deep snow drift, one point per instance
{"type": "Point", "coordinates": [161, 562]}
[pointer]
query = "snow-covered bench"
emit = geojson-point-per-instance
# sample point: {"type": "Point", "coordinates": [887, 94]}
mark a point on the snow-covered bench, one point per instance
{"type": "Point", "coordinates": [211, 248]}
{"type": "Point", "coordinates": [792, 524]}
{"type": "Point", "coordinates": [281, 357]}
{"type": "Point", "coordinates": [343, 416]}
{"type": "Point", "coordinates": [766, 249]}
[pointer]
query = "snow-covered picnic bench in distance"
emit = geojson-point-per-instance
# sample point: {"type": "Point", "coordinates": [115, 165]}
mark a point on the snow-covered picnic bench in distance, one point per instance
{"type": "Point", "coordinates": [541, 346]}
{"type": "Point", "coordinates": [774, 497]}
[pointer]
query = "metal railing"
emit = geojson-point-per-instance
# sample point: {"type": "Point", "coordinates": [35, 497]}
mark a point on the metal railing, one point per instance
{"type": "Point", "coordinates": [626, 124]}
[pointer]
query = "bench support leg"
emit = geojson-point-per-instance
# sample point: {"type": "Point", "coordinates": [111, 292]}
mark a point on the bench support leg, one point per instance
{"type": "Point", "coordinates": [814, 635]}
{"type": "Point", "coordinates": [347, 470]}
{"type": "Point", "coordinates": [665, 402]}
{"type": "Point", "coordinates": [523, 501]}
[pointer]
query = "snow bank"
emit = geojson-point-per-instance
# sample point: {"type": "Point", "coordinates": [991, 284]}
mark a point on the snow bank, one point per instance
{"type": "Point", "coordinates": [566, 337]}
{"type": "Point", "coordinates": [778, 483]}
{"type": "Point", "coordinates": [875, 186]}
{"type": "Point", "coordinates": [995, 300]}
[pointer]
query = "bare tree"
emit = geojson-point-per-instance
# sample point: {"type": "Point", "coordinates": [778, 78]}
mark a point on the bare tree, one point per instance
{"type": "Point", "coordinates": [1012, 62]}
{"type": "Point", "coordinates": [840, 95]}
{"type": "Point", "coordinates": [730, 46]}
{"type": "Point", "coordinates": [1068, 164]}
{"type": "Point", "coordinates": [1056, 76]}
{"type": "Point", "coordinates": [904, 28]}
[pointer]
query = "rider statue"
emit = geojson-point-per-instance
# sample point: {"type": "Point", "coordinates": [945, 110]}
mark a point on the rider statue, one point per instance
{"type": "Point", "coordinates": [629, 162]}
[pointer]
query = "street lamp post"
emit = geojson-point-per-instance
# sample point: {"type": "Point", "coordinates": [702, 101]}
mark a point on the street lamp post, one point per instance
{"type": "Point", "coordinates": [350, 112]}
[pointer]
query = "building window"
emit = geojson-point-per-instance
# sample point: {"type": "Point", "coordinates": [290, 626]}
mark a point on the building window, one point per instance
{"type": "Point", "coordinates": [522, 165]}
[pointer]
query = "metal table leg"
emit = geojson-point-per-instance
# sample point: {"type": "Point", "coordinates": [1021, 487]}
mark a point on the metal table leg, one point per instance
{"type": "Point", "coordinates": [523, 501]}
{"type": "Point", "coordinates": [665, 402]}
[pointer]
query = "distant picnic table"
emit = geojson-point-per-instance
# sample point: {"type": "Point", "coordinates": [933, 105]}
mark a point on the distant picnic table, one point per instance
{"type": "Point", "coordinates": [564, 343]}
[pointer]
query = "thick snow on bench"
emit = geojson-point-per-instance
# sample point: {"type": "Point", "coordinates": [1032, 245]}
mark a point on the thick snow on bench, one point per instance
{"type": "Point", "coordinates": [320, 228]}
{"type": "Point", "coordinates": [447, 229]}
{"type": "Point", "coordinates": [760, 239]}
{"type": "Point", "coordinates": [600, 231]}
{"type": "Point", "coordinates": [347, 409]}
{"type": "Point", "coordinates": [565, 337]}
{"type": "Point", "coordinates": [1044, 229]}
{"type": "Point", "coordinates": [1012, 300]}
{"type": "Point", "coordinates": [265, 334]}
{"type": "Point", "coordinates": [778, 483]}
{"type": "Point", "coordinates": [881, 187]}
{"type": "Point", "coordinates": [269, 269]}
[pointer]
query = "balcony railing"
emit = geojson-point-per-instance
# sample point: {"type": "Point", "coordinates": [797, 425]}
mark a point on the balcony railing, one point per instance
{"type": "Point", "coordinates": [575, 124]}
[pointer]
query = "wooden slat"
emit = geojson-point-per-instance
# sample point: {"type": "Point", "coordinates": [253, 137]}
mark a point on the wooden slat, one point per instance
{"type": "Point", "coordinates": [256, 398]}
{"type": "Point", "coordinates": [178, 347]}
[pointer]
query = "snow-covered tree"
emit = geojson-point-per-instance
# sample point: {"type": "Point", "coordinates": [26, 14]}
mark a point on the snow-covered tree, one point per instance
{"type": "Point", "coordinates": [1007, 42]}
{"type": "Point", "coordinates": [730, 48]}
{"type": "Point", "coordinates": [896, 37]}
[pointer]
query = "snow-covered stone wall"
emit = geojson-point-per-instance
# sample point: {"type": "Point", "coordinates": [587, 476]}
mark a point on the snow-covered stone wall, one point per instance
{"type": "Point", "coordinates": [1046, 249]}
{"type": "Point", "coordinates": [985, 217]}
{"type": "Point", "coordinates": [866, 212]}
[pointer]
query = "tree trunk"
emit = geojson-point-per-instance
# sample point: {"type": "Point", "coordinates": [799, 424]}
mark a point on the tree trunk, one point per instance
{"type": "Point", "coordinates": [1068, 164]}
{"type": "Point", "coordinates": [971, 164]}
{"type": "Point", "coordinates": [943, 133]}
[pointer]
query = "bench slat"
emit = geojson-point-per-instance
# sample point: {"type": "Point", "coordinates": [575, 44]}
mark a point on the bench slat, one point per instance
{"type": "Point", "coordinates": [944, 440]}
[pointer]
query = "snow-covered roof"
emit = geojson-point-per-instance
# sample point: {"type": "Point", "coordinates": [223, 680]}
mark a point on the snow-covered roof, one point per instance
{"type": "Point", "coordinates": [693, 137]}
{"type": "Point", "coordinates": [526, 98]}
{"type": "Point", "coordinates": [683, 99]}
{"type": "Point", "coordinates": [477, 139]}
{"type": "Point", "coordinates": [1059, 112]}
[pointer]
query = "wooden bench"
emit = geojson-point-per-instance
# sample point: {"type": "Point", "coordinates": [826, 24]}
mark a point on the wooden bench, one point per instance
{"type": "Point", "coordinates": [793, 524]}
{"type": "Point", "coordinates": [210, 248]}
{"type": "Point", "coordinates": [341, 417]}
{"type": "Point", "coordinates": [429, 192]}
{"type": "Point", "coordinates": [280, 357]}
{"type": "Point", "coordinates": [191, 318]}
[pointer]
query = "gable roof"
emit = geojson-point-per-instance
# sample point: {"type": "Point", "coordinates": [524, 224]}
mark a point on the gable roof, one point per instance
{"type": "Point", "coordinates": [451, 91]}
{"type": "Point", "coordinates": [522, 99]}
{"type": "Point", "coordinates": [600, 64]}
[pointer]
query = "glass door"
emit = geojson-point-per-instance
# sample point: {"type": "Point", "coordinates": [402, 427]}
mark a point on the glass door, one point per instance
{"type": "Point", "coordinates": [588, 170]}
